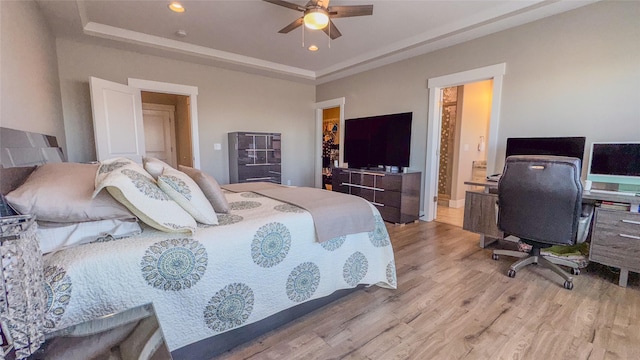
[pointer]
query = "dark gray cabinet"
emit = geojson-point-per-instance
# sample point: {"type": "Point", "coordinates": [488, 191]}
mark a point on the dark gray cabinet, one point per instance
{"type": "Point", "coordinates": [254, 156]}
{"type": "Point", "coordinates": [395, 195]}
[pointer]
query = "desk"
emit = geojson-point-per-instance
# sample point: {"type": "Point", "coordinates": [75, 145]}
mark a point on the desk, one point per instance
{"type": "Point", "coordinates": [615, 235]}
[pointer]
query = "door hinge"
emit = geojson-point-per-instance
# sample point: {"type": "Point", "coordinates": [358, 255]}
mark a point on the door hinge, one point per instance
{"type": "Point", "coordinates": [435, 199]}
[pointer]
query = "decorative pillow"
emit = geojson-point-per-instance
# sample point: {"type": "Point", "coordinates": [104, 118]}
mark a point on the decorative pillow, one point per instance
{"type": "Point", "coordinates": [63, 192]}
{"type": "Point", "coordinates": [209, 187]}
{"type": "Point", "coordinates": [107, 166]}
{"type": "Point", "coordinates": [58, 236]}
{"type": "Point", "coordinates": [154, 166]}
{"type": "Point", "coordinates": [137, 190]}
{"type": "Point", "coordinates": [183, 190]}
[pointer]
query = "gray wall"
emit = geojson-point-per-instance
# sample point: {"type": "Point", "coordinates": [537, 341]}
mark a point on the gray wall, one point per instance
{"type": "Point", "coordinates": [576, 73]}
{"type": "Point", "coordinates": [29, 86]}
{"type": "Point", "coordinates": [227, 101]}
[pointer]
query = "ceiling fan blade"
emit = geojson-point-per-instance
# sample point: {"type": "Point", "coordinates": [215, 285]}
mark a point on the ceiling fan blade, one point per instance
{"type": "Point", "coordinates": [349, 11]}
{"type": "Point", "coordinates": [286, 4]}
{"type": "Point", "coordinates": [332, 31]}
{"type": "Point", "coordinates": [294, 25]}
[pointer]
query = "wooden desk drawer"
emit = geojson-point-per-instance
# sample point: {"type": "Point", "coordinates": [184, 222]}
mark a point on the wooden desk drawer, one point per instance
{"type": "Point", "coordinates": [616, 239]}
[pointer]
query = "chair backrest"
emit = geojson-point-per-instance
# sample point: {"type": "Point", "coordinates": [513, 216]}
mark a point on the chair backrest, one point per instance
{"type": "Point", "coordinates": [540, 198]}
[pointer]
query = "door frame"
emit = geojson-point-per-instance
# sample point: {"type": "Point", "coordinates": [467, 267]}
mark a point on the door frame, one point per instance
{"type": "Point", "coordinates": [320, 106]}
{"type": "Point", "coordinates": [177, 89]}
{"type": "Point", "coordinates": [435, 85]}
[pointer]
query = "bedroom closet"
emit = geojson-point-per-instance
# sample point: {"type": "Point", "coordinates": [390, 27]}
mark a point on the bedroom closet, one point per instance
{"type": "Point", "coordinates": [330, 144]}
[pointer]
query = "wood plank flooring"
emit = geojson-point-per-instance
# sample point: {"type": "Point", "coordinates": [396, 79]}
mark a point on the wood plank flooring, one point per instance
{"type": "Point", "coordinates": [454, 302]}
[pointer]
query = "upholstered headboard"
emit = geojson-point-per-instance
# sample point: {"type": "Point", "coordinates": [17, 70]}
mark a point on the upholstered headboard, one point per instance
{"type": "Point", "coordinates": [11, 178]}
{"type": "Point", "coordinates": [20, 152]}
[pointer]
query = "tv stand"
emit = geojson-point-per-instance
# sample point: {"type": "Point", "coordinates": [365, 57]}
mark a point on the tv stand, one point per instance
{"type": "Point", "coordinates": [395, 195]}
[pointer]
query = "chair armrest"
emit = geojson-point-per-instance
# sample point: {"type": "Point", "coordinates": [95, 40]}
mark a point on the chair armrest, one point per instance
{"type": "Point", "coordinates": [584, 222]}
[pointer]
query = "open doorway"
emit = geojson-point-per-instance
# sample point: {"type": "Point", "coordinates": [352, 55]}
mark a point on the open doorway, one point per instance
{"type": "Point", "coordinates": [493, 72]}
{"type": "Point", "coordinates": [330, 144]}
{"type": "Point", "coordinates": [465, 117]}
{"type": "Point", "coordinates": [167, 127]}
{"type": "Point", "coordinates": [335, 116]}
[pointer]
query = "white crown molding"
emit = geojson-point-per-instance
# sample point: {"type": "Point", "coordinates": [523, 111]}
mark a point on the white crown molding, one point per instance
{"type": "Point", "coordinates": [134, 37]}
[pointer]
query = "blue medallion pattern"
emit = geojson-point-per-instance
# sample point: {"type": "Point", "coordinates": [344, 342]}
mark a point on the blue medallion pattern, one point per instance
{"type": "Point", "coordinates": [145, 185]}
{"type": "Point", "coordinates": [379, 236]}
{"type": "Point", "coordinates": [355, 268]}
{"type": "Point", "coordinates": [303, 281]}
{"type": "Point", "coordinates": [270, 244]}
{"type": "Point", "coordinates": [230, 307]}
{"type": "Point", "coordinates": [391, 273]}
{"type": "Point", "coordinates": [105, 168]}
{"type": "Point", "coordinates": [251, 195]}
{"type": "Point", "coordinates": [178, 185]}
{"type": "Point", "coordinates": [288, 208]}
{"type": "Point", "coordinates": [174, 264]}
{"type": "Point", "coordinates": [57, 289]}
{"type": "Point", "coordinates": [244, 205]}
{"type": "Point", "coordinates": [334, 243]}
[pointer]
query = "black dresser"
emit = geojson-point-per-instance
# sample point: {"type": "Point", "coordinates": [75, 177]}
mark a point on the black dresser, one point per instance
{"type": "Point", "coordinates": [254, 156]}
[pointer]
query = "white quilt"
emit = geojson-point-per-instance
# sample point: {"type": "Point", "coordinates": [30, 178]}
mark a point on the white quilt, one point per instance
{"type": "Point", "coordinates": [262, 258]}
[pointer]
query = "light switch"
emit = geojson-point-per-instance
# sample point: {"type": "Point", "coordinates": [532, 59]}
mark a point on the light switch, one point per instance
{"type": "Point", "coordinates": [217, 146]}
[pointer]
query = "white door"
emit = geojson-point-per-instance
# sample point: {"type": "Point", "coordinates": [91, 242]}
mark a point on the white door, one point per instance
{"type": "Point", "coordinates": [159, 132]}
{"type": "Point", "coordinates": [117, 120]}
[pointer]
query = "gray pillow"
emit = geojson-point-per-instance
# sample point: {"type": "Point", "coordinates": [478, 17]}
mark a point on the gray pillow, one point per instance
{"type": "Point", "coordinates": [209, 187]}
{"type": "Point", "coordinates": [62, 192]}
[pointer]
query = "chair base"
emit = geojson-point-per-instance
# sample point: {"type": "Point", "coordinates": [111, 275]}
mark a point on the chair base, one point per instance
{"type": "Point", "coordinates": [534, 257]}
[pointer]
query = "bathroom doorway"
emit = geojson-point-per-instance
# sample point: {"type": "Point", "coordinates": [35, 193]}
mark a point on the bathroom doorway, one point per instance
{"type": "Point", "coordinates": [466, 112]}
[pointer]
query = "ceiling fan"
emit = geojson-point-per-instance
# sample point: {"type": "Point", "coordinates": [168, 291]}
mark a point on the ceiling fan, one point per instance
{"type": "Point", "coordinates": [317, 15]}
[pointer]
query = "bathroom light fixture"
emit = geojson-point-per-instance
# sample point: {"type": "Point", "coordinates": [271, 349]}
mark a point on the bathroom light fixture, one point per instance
{"type": "Point", "coordinates": [313, 48]}
{"type": "Point", "coordinates": [316, 19]}
{"type": "Point", "coordinates": [176, 7]}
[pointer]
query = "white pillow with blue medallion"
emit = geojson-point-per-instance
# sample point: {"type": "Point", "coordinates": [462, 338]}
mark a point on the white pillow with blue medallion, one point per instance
{"type": "Point", "coordinates": [132, 186]}
{"type": "Point", "coordinates": [184, 190]}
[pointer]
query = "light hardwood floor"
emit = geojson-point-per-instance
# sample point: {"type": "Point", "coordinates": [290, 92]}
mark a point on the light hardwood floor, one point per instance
{"type": "Point", "coordinates": [449, 215]}
{"type": "Point", "coordinates": [454, 302]}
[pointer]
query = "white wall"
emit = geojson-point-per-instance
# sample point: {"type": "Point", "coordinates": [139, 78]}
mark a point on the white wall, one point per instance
{"type": "Point", "coordinates": [228, 101]}
{"type": "Point", "coordinates": [29, 85]}
{"type": "Point", "coordinates": [575, 73]}
{"type": "Point", "coordinates": [476, 111]}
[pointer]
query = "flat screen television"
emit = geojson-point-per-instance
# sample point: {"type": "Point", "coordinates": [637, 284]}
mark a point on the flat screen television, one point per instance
{"type": "Point", "coordinates": [615, 162]}
{"type": "Point", "coordinates": [558, 146]}
{"type": "Point", "coordinates": [378, 140]}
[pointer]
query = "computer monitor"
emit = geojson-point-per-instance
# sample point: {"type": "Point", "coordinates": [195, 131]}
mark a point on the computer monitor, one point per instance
{"type": "Point", "coordinates": [615, 162]}
{"type": "Point", "coordinates": [558, 146]}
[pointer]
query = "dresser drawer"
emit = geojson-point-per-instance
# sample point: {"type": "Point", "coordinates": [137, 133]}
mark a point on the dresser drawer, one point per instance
{"type": "Point", "coordinates": [615, 240]}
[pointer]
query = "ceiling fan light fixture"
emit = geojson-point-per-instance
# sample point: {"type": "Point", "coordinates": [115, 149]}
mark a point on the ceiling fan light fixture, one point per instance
{"type": "Point", "coordinates": [176, 7]}
{"type": "Point", "coordinates": [316, 19]}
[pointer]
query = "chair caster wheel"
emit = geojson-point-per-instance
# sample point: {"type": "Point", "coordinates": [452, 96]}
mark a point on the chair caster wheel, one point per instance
{"type": "Point", "coordinates": [568, 285]}
{"type": "Point", "coordinates": [511, 273]}
{"type": "Point", "coordinates": [495, 256]}
{"type": "Point", "coordinates": [575, 271]}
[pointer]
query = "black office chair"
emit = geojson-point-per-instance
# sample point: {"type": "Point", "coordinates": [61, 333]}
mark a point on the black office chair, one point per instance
{"type": "Point", "coordinates": [540, 202]}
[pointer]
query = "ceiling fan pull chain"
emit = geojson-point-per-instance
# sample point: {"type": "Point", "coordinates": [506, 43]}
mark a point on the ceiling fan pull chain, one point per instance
{"type": "Point", "coordinates": [302, 36]}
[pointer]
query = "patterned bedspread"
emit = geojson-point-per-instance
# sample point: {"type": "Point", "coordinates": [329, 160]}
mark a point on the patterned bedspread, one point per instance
{"type": "Point", "coordinates": [261, 259]}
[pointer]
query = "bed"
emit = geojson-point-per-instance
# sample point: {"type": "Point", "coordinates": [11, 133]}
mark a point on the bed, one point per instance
{"type": "Point", "coordinates": [260, 266]}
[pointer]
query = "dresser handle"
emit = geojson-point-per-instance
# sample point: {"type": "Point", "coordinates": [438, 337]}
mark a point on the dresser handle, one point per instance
{"type": "Point", "coordinates": [630, 236]}
{"type": "Point", "coordinates": [631, 222]}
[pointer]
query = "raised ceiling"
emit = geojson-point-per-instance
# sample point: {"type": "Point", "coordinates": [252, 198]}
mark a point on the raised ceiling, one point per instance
{"type": "Point", "coordinates": [243, 34]}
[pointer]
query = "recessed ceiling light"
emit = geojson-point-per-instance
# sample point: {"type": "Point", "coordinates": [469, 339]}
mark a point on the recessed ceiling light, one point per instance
{"type": "Point", "coordinates": [177, 7]}
{"type": "Point", "coordinates": [313, 48]}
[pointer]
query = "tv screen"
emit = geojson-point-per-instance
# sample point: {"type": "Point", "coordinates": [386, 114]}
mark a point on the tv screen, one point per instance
{"type": "Point", "coordinates": [378, 140]}
{"type": "Point", "coordinates": [558, 146]}
{"type": "Point", "coordinates": [622, 159]}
